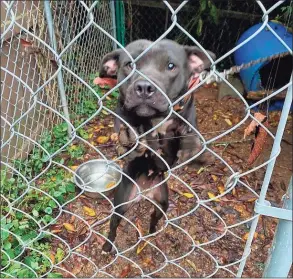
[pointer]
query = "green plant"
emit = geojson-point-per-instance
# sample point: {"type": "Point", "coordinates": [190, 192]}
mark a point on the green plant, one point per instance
{"type": "Point", "coordinates": [207, 11]}
{"type": "Point", "coordinates": [284, 16]}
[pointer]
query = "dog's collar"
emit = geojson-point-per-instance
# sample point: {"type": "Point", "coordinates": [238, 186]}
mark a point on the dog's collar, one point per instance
{"type": "Point", "coordinates": [179, 106]}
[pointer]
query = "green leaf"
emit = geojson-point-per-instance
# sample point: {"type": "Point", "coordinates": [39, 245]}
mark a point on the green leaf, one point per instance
{"type": "Point", "coordinates": [54, 275]}
{"type": "Point", "coordinates": [199, 27]}
{"type": "Point", "coordinates": [203, 5]}
{"type": "Point", "coordinates": [52, 204]}
{"type": "Point", "coordinates": [35, 213]}
{"type": "Point", "coordinates": [57, 194]}
{"type": "Point", "coordinates": [70, 187]}
{"type": "Point", "coordinates": [48, 210]}
{"type": "Point", "coordinates": [214, 14]}
{"type": "Point", "coordinates": [7, 245]}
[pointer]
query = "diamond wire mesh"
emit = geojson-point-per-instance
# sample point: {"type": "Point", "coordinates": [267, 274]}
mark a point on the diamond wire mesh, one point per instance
{"type": "Point", "coordinates": [76, 70]}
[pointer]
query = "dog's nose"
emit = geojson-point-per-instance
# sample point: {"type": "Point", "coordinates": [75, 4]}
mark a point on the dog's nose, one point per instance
{"type": "Point", "coordinates": [144, 89]}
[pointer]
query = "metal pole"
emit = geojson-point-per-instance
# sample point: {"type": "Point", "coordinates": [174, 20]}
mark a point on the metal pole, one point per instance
{"type": "Point", "coordinates": [112, 8]}
{"type": "Point", "coordinates": [49, 18]}
{"type": "Point", "coordinates": [269, 171]}
{"type": "Point", "coordinates": [280, 259]}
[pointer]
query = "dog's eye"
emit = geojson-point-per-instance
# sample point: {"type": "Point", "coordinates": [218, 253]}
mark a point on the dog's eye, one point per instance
{"type": "Point", "coordinates": [129, 65]}
{"type": "Point", "coordinates": [171, 66]}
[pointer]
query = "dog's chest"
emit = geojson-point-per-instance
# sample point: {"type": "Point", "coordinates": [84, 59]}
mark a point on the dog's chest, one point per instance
{"type": "Point", "coordinates": [145, 185]}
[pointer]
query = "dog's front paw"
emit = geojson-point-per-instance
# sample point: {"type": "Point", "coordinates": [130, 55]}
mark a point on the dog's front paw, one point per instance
{"type": "Point", "coordinates": [107, 247]}
{"type": "Point", "coordinates": [127, 140]}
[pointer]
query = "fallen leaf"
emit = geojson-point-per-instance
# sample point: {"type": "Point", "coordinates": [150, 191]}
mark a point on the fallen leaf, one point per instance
{"type": "Point", "coordinates": [56, 231]}
{"type": "Point", "coordinates": [125, 271]}
{"type": "Point", "coordinates": [69, 227]}
{"type": "Point", "coordinates": [110, 184]}
{"type": "Point", "coordinates": [215, 117]}
{"type": "Point", "coordinates": [242, 210]}
{"type": "Point", "coordinates": [147, 262]}
{"type": "Point", "coordinates": [191, 264]}
{"type": "Point", "coordinates": [221, 188]}
{"type": "Point", "coordinates": [52, 257]}
{"type": "Point", "coordinates": [114, 137]}
{"type": "Point", "coordinates": [74, 167]}
{"type": "Point", "coordinates": [89, 211]}
{"type": "Point", "coordinates": [253, 124]}
{"type": "Point", "coordinates": [200, 170]}
{"type": "Point", "coordinates": [228, 121]}
{"type": "Point", "coordinates": [111, 125]}
{"type": "Point", "coordinates": [258, 144]}
{"type": "Point", "coordinates": [187, 195]}
{"type": "Point", "coordinates": [245, 237]}
{"type": "Point", "coordinates": [212, 196]}
{"type": "Point", "coordinates": [105, 112]}
{"type": "Point", "coordinates": [102, 139]}
{"type": "Point", "coordinates": [214, 177]}
{"type": "Point", "coordinates": [76, 268]}
{"type": "Point", "coordinates": [140, 247]}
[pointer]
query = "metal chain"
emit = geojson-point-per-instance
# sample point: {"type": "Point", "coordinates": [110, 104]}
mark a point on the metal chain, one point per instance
{"type": "Point", "coordinates": [211, 77]}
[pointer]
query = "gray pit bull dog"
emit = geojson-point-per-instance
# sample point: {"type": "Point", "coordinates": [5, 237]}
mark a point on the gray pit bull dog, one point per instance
{"type": "Point", "coordinates": [170, 66]}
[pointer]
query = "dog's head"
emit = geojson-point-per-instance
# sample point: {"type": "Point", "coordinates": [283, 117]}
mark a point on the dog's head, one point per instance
{"type": "Point", "coordinates": [167, 64]}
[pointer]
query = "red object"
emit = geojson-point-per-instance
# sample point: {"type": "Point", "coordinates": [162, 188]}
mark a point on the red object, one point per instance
{"type": "Point", "coordinates": [193, 82]}
{"type": "Point", "coordinates": [103, 82]}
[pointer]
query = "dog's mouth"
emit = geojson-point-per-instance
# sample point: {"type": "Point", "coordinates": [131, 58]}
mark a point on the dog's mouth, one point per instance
{"type": "Point", "coordinates": [143, 110]}
{"type": "Point", "coordinates": [145, 106]}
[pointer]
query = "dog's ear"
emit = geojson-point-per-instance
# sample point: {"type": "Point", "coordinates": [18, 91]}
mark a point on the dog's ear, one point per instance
{"type": "Point", "coordinates": [110, 64]}
{"type": "Point", "coordinates": [197, 60]}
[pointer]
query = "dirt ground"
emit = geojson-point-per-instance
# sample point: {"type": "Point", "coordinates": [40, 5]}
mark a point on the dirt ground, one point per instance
{"type": "Point", "coordinates": [202, 225]}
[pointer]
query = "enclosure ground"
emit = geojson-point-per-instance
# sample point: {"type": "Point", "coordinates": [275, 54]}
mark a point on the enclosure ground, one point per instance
{"type": "Point", "coordinates": [203, 226]}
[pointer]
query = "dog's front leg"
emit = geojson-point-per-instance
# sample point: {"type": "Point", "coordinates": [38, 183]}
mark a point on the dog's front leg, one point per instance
{"type": "Point", "coordinates": [123, 193]}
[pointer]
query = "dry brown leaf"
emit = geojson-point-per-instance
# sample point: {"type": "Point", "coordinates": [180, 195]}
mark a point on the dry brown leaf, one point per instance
{"type": "Point", "coordinates": [148, 261]}
{"type": "Point", "coordinates": [191, 264]}
{"type": "Point", "coordinates": [52, 257]}
{"type": "Point", "coordinates": [242, 210]}
{"type": "Point", "coordinates": [76, 268]}
{"type": "Point", "coordinates": [140, 247]}
{"type": "Point", "coordinates": [125, 271]}
{"type": "Point", "coordinates": [69, 227]}
{"type": "Point", "coordinates": [200, 170]}
{"type": "Point", "coordinates": [102, 139]}
{"type": "Point", "coordinates": [259, 144]}
{"type": "Point", "coordinates": [114, 137]}
{"type": "Point", "coordinates": [214, 177]}
{"type": "Point", "coordinates": [245, 237]}
{"type": "Point", "coordinates": [89, 211]}
{"type": "Point", "coordinates": [212, 196]}
{"type": "Point", "coordinates": [221, 188]}
{"type": "Point", "coordinates": [228, 121]}
{"type": "Point", "coordinates": [187, 195]}
{"type": "Point", "coordinates": [74, 167]}
{"type": "Point", "coordinates": [56, 231]}
{"type": "Point", "coordinates": [253, 124]}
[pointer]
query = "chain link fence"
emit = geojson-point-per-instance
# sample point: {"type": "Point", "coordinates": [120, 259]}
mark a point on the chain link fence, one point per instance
{"type": "Point", "coordinates": [54, 117]}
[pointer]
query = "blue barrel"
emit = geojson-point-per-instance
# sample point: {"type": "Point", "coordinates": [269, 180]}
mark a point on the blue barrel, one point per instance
{"type": "Point", "coordinates": [264, 44]}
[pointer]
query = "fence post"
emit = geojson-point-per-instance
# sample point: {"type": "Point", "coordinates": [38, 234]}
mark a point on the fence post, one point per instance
{"type": "Point", "coordinates": [49, 18]}
{"type": "Point", "coordinates": [120, 22]}
{"type": "Point", "coordinates": [280, 259]}
{"type": "Point", "coordinates": [112, 8]}
{"type": "Point", "coordinates": [269, 172]}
